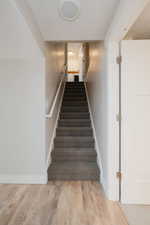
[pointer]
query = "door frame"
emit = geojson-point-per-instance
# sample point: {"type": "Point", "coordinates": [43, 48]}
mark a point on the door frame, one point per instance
{"type": "Point", "coordinates": [114, 36]}
{"type": "Point", "coordinates": [112, 185]}
{"type": "Point", "coordinates": [124, 107]}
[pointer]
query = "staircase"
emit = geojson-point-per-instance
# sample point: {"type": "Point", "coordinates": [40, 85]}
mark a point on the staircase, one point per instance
{"type": "Point", "coordinates": [74, 156]}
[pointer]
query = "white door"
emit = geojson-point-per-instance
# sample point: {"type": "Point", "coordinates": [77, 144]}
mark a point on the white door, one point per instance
{"type": "Point", "coordinates": [135, 135]}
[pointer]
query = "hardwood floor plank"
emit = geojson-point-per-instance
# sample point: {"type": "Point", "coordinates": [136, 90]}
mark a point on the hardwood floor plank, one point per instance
{"type": "Point", "coordinates": [24, 207]}
{"type": "Point", "coordinates": [70, 205]}
{"type": "Point", "coordinates": [58, 203]}
{"type": "Point", "coordinates": [44, 207]}
{"type": "Point", "coordinates": [116, 213]}
{"type": "Point", "coordinates": [6, 190]}
{"type": "Point", "coordinates": [94, 205]}
{"type": "Point", "coordinates": [9, 201]}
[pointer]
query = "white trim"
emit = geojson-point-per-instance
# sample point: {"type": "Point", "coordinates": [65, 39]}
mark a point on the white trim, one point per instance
{"type": "Point", "coordinates": [112, 123]}
{"type": "Point", "coordinates": [48, 161]}
{"type": "Point", "coordinates": [23, 179]}
{"type": "Point", "coordinates": [97, 148]}
{"type": "Point", "coordinates": [105, 188]}
{"type": "Point", "coordinates": [119, 27]}
{"type": "Point", "coordinates": [50, 114]}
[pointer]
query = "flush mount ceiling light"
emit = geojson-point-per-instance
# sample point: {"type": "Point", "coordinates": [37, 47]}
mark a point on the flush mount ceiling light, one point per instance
{"type": "Point", "coordinates": [69, 9]}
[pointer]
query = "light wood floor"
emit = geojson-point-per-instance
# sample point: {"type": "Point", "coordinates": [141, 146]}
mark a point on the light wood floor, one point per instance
{"type": "Point", "coordinates": [58, 203]}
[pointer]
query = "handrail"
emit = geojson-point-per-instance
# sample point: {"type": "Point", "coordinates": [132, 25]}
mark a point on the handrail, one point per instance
{"type": "Point", "coordinates": [50, 114]}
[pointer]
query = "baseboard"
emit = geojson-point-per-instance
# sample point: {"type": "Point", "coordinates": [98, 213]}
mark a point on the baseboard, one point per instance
{"type": "Point", "coordinates": [23, 179]}
{"type": "Point", "coordinates": [105, 188]}
{"type": "Point", "coordinates": [97, 147]}
{"type": "Point", "coordinates": [48, 161]}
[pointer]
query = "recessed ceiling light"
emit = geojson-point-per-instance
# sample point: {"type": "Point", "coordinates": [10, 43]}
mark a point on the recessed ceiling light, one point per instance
{"type": "Point", "coordinates": [69, 9]}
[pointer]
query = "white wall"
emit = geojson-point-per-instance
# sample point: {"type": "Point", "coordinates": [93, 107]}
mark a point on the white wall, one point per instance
{"type": "Point", "coordinates": [97, 91]}
{"type": "Point", "coordinates": [22, 102]}
{"type": "Point", "coordinates": [21, 118]}
{"type": "Point", "coordinates": [23, 65]}
{"type": "Point", "coordinates": [54, 70]}
{"type": "Point", "coordinates": [104, 100]}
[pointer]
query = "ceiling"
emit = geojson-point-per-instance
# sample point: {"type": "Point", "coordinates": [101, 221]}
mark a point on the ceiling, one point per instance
{"type": "Point", "coordinates": [92, 24]}
{"type": "Point", "coordinates": [141, 28]}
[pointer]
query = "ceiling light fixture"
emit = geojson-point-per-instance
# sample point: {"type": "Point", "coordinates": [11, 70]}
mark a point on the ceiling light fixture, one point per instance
{"type": "Point", "coordinates": [69, 9]}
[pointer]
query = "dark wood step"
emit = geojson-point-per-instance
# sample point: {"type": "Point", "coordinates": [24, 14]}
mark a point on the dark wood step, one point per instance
{"type": "Point", "coordinates": [73, 171]}
{"type": "Point", "coordinates": [73, 98]}
{"type": "Point", "coordinates": [74, 103]}
{"type": "Point", "coordinates": [75, 87]}
{"type": "Point", "coordinates": [59, 149]}
{"type": "Point", "coordinates": [74, 131]}
{"type": "Point", "coordinates": [75, 142]}
{"type": "Point", "coordinates": [74, 123]}
{"type": "Point", "coordinates": [75, 95]}
{"type": "Point", "coordinates": [74, 155]}
{"type": "Point", "coordinates": [76, 115]}
{"type": "Point", "coordinates": [74, 84]}
{"type": "Point", "coordinates": [74, 109]}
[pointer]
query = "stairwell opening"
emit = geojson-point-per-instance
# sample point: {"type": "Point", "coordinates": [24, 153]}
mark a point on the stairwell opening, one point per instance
{"type": "Point", "coordinates": [75, 61]}
{"type": "Point", "coordinates": [74, 156]}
